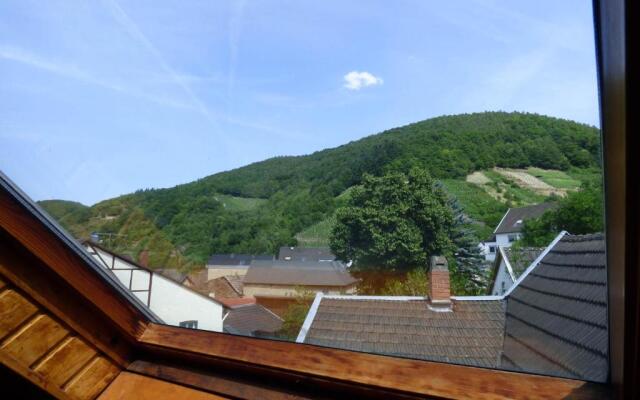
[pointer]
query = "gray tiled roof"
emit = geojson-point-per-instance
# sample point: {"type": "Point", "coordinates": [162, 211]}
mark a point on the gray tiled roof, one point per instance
{"type": "Point", "coordinates": [512, 220]}
{"type": "Point", "coordinates": [305, 254]}
{"type": "Point", "coordinates": [470, 335]}
{"type": "Point", "coordinates": [556, 321]}
{"type": "Point", "coordinates": [236, 259]}
{"type": "Point", "coordinates": [251, 320]}
{"type": "Point", "coordinates": [278, 272]}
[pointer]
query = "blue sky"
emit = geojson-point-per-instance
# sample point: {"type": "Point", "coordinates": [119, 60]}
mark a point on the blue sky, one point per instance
{"type": "Point", "coordinates": [100, 98]}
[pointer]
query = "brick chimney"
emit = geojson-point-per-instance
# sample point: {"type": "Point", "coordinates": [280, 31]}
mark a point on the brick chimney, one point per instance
{"type": "Point", "coordinates": [439, 287]}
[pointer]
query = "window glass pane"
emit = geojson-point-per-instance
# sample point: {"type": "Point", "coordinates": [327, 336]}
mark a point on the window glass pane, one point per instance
{"type": "Point", "coordinates": [416, 179]}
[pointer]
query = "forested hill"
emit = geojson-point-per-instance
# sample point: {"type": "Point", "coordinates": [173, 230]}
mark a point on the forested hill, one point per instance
{"type": "Point", "coordinates": [447, 146]}
{"type": "Point", "coordinates": [261, 206]}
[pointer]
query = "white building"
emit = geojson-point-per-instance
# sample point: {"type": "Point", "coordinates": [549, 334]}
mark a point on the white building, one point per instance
{"type": "Point", "coordinates": [174, 303]}
{"type": "Point", "coordinates": [509, 229]}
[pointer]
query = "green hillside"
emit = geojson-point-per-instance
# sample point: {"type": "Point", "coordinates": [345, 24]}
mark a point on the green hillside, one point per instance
{"type": "Point", "coordinates": [264, 205]}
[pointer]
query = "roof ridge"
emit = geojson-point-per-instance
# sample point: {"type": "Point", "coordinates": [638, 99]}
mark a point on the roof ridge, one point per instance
{"type": "Point", "coordinates": [587, 237]}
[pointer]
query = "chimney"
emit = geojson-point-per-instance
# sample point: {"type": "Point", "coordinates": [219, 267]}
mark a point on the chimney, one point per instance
{"type": "Point", "coordinates": [439, 288]}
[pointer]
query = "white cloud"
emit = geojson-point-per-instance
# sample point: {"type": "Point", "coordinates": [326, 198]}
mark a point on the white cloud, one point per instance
{"type": "Point", "coordinates": [356, 80]}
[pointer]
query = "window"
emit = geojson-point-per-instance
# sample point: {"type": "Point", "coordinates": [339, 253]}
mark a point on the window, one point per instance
{"type": "Point", "coordinates": [391, 220]}
{"type": "Point", "coordinates": [189, 324]}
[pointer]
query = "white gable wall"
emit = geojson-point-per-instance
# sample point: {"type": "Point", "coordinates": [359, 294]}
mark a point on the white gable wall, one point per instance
{"type": "Point", "coordinates": [169, 300]}
{"type": "Point", "coordinates": [503, 281]}
{"type": "Point", "coordinates": [174, 304]}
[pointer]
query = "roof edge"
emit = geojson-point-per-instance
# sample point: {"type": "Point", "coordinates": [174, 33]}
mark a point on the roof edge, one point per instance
{"type": "Point", "coordinates": [507, 263]}
{"type": "Point", "coordinates": [502, 219]}
{"type": "Point", "coordinates": [71, 243]}
{"type": "Point", "coordinates": [311, 315]}
{"type": "Point", "coordinates": [536, 262]}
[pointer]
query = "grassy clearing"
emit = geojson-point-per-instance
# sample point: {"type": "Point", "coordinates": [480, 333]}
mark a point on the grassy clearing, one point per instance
{"type": "Point", "coordinates": [317, 235]}
{"type": "Point", "coordinates": [585, 175]}
{"type": "Point", "coordinates": [557, 179]}
{"type": "Point", "coordinates": [477, 204]}
{"type": "Point", "coordinates": [233, 203]}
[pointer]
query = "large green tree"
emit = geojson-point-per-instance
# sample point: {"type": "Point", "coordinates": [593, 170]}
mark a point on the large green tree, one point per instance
{"type": "Point", "coordinates": [395, 221]}
{"type": "Point", "coordinates": [580, 212]}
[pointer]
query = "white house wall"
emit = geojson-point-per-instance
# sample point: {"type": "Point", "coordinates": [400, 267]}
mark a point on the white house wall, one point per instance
{"type": "Point", "coordinates": [140, 280]}
{"type": "Point", "coordinates": [502, 278]}
{"type": "Point", "coordinates": [174, 304]}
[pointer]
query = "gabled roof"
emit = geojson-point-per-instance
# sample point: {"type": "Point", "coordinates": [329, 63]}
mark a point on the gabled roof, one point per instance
{"type": "Point", "coordinates": [516, 261]}
{"type": "Point", "coordinates": [406, 327]}
{"type": "Point", "coordinates": [557, 315]}
{"type": "Point", "coordinates": [304, 273]}
{"type": "Point", "coordinates": [513, 220]}
{"type": "Point", "coordinates": [251, 320]}
{"type": "Point", "coordinates": [236, 259]}
{"type": "Point", "coordinates": [305, 254]}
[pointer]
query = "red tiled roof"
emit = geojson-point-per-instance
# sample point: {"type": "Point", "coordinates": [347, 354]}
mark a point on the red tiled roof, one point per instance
{"type": "Point", "coordinates": [238, 301]}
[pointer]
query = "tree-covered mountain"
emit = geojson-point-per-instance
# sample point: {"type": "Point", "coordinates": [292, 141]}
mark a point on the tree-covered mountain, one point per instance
{"type": "Point", "coordinates": [284, 195]}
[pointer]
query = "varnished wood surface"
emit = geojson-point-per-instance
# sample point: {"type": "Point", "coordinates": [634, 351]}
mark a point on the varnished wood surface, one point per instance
{"type": "Point", "coordinates": [32, 276]}
{"type": "Point", "coordinates": [92, 379]}
{"type": "Point", "coordinates": [132, 386]}
{"type": "Point", "coordinates": [412, 376]}
{"type": "Point", "coordinates": [65, 361]}
{"type": "Point", "coordinates": [46, 351]}
{"type": "Point", "coordinates": [15, 309]}
{"type": "Point", "coordinates": [233, 386]}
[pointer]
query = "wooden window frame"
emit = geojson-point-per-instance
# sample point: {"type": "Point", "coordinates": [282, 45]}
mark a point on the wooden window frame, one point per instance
{"type": "Point", "coordinates": [370, 375]}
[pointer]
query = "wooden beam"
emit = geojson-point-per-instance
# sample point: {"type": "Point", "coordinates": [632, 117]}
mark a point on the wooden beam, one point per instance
{"type": "Point", "coordinates": [47, 289]}
{"type": "Point", "coordinates": [132, 386]}
{"type": "Point", "coordinates": [373, 371]}
{"type": "Point", "coordinates": [212, 382]}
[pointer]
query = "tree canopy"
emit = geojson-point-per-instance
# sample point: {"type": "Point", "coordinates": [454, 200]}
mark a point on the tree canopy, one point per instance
{"type": "Point", "coordinates": [580, 212]}
{"type": "Point", "coordinates": [393, 221]}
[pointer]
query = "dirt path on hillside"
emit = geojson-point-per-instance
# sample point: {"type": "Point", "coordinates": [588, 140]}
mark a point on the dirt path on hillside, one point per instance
{"type": "Point", "coordinates": [527, 181]}
{"type": "Point", "coordinates": [478, 178]}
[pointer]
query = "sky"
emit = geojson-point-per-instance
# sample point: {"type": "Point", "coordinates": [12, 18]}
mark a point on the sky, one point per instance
{"type": "Point", "coordinates": [100, 98]}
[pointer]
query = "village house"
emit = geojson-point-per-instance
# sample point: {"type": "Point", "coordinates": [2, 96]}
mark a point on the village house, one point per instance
{"type": "Point", "coordinates": [220, 265]}
{"type": "Point", "coordinates": [552, 320]}
{"type": "Point", "coordinates": [279, 278]}
{"type": "Point", "coordinates": [509, 229]}
{"type": "Point", "coordinates": [173, 302]}
{"type": "Point", "coordinates": [276, 283]}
